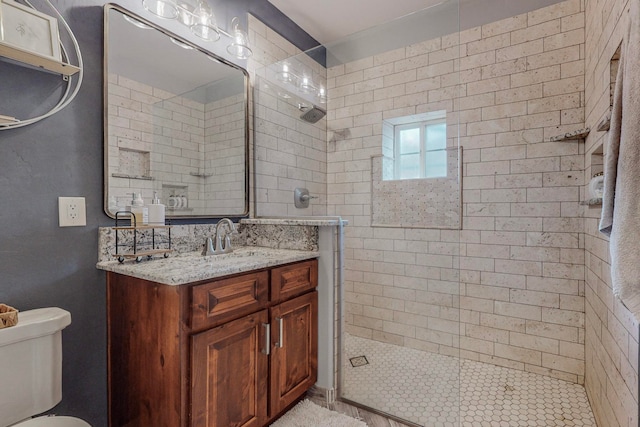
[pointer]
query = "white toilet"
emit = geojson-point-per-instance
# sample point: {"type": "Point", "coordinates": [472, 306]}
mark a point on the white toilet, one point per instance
{"type": "Point", "coordinates": [31, 369]}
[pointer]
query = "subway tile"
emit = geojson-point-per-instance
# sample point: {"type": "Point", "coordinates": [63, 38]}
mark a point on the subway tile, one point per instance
{"type": "Point", "coordinates": [556, 331]}
{"type": "Point", "coordinates": [535, 76]}
{"type": "Point", "coordinates": [562, 363]}
{"type": "Point", "coordinates": [517, 353]}
{"type": "Point", "coordinates": [541, 299]}
{"type": "Point", "coordinates": [513, 281]}
{"type": "Point", "coordinates": [527, 253]}
{"type": "Point", "coordinates": [518, 224]}
{"type": "Point", "coordinates": [502, 322]}
{"type": "Point", "coordinates": [544, 345]}
{"type": "Point", "coordinates": [521, 311]}
{"type": "Point", "coordinates": [536, 210]}
{"type": "Point", "coordinates": [534, 32]}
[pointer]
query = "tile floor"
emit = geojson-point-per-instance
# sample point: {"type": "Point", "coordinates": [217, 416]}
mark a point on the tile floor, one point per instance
{"type": "Point", "coordinates": [433, 390]}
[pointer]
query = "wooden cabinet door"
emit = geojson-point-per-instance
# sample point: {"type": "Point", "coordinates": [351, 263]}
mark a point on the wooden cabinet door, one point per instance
{"type": "Point", "coordinates": [229, 374]}
{"type": "Point", "coordinates": [294, 350]}
{"type": "Point", "coordinates": [293, 279]}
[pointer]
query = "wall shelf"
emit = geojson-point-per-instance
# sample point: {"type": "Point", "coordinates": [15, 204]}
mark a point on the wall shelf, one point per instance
{"type": "Point", "coordinates": [592, 202]}
{"type": "Point", "coordinates": [38, 61]}
{"type": "Point", "coordinates": [124, 175]}
{"type": "Point", "coordinates": [579, 134]}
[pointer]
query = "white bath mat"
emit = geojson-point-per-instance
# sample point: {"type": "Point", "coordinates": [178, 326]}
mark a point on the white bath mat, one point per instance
{"type": "Point", "coordinates": [308, 414]}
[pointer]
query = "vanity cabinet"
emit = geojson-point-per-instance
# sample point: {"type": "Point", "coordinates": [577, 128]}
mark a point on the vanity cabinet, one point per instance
{"type": "Point", "coordinates": [235, 351]}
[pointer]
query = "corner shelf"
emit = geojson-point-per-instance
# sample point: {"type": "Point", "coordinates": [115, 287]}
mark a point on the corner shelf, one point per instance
{"type": "Point", "coordinates": [592, 202]}
{"type": "Point", "coordinates": [37, 61]}
{"type": "Point", "coordinates": [579, 134]}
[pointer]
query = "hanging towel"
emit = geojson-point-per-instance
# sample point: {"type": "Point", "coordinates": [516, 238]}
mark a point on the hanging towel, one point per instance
{"type": "Point", "coordinates": [621, 201]}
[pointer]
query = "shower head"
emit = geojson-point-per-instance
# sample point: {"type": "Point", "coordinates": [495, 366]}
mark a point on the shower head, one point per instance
{"type": "Point", "coordinates": [311, 114]}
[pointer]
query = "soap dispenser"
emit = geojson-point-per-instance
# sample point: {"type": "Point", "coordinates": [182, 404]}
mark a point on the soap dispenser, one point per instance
{"type": "Point", "coordinates": [156, 211]}
{"type": "Point", "coordinates": [139, 210]}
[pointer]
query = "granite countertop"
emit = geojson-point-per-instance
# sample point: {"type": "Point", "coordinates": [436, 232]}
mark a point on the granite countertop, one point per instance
{"type": "Point", "coordinates": [193, 267]}
{"type": "Point", "coordinates": [318, 221]}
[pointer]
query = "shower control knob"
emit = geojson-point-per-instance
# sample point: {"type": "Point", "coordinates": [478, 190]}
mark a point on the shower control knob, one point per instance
{"type": "Point", "coordinates": [301, 198]}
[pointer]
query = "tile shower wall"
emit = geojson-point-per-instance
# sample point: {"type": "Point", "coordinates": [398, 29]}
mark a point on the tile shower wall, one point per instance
{"type": "Point", "coordinates": [511, 85]}
{"type": "Point", "coordinates": [289, 152]}
{"type": "Point", "coordinates": [224, 167]}
{"type": "Point", "coordinates": [162, 142]}
{"type": "Point", "coordinates": [611, 330]}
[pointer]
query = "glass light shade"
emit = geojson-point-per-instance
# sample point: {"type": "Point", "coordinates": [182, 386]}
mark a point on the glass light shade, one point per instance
{"type": "Point", "coordinates": [322, 95]}
{"type": "Point", "coordinates": [239, 47]}
{"type": "Point", "coordinates": [181, 44]}
{"type": "Point", "coordinates": [306, 85]}
{"type": "Point", "coordinates": [163, 8]}
{"type": "Point", "coordinates": [285, 75]}
{"type": "Point", "coordinates": [204, 24]}
{"type": "Point", "coordinates": [185, 12]}
{"type": "Point", "coordinates": [136, 22]}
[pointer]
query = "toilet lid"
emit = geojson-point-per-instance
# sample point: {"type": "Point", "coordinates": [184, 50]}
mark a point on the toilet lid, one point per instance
{"type": "Point", "coordinates": [53, 422]}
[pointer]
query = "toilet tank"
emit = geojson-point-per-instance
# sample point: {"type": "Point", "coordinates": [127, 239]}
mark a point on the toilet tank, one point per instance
{"type": "Point", "coordinates": [31, 364]}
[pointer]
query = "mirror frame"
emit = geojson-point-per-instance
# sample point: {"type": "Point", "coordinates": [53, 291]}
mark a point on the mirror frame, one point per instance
{"type": "Point", "coordinates": [105, 82]}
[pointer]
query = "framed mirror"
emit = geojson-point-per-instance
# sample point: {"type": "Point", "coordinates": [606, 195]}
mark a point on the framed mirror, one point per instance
{"type": "Point", "coordinates": [176, 122]}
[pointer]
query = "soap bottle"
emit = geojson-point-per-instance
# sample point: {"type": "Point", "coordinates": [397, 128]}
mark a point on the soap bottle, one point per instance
{"type": "Point", "coordinates": [156, 211]}
{"type": "Point", "coordinates": [139, 210]}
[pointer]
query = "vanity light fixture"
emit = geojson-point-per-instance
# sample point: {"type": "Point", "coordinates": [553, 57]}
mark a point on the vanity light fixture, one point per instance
{"type": "Point", "coordinates": [240, 45]}
{"type": "Point", "coordinates": [202, 22]}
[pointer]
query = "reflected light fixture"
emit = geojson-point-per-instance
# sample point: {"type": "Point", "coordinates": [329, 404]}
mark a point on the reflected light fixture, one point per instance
{"type": "Point", "coordinates": [179, 43]}
{"type": "Point", "coordinates": [300, 82]}
{"type": "Point", "coordinates": [201, 21]}
{"type": "Point", "coordinates": [136, 22]}
{"type": "Point", "coordinates": [166, 9]}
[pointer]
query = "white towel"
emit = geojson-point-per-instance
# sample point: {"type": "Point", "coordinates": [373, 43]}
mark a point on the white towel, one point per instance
{"type": "Point", "coordinates": [621, 202]}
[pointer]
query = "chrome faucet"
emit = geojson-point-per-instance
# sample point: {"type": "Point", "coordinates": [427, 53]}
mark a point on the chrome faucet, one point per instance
{"type": "Point", "coordinates": [226, 248]}
{"type": "Point", "coordinates": [221, 244]}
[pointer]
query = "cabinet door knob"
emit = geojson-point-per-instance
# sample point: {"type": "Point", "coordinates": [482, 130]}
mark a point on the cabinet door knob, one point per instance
{"type": "Point", "coordinates": [267, 338]}
{"type": "Point", "coordinates": [280, 342]}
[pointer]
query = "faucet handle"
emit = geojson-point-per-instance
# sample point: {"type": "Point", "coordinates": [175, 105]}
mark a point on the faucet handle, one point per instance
{"type": "Point", "coordinates": [208, 247]}
{"type": "Point", "coordinates": [227, 244]}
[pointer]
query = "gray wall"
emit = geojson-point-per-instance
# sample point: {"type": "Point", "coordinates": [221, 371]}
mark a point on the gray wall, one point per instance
{"type": "Point", "coordinates": [40, 263]}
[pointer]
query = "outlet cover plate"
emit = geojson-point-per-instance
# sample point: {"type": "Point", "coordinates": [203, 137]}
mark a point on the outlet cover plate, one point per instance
{"type": "Point", "coordinates": [72, 212]}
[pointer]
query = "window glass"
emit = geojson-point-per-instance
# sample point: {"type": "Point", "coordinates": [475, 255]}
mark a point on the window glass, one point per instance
{"type": "Point", "coordinates": [418, 147]}
{"type": "Point", "coordinates": [409, 140]}
{"type": "Point", "coordinates": [410, 166]}
{"type": "Point", "coordinates": [436, 136]}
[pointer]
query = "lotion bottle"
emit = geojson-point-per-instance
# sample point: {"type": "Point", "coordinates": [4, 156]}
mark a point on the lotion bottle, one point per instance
{"type": "Point", "coordinates": [139, 211]}
{"type": "Point", "coordinates": [156, 211]}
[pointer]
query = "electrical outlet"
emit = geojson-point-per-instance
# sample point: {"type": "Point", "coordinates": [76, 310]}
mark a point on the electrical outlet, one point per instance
{"type": "Point", "coordinates": [72, 212]}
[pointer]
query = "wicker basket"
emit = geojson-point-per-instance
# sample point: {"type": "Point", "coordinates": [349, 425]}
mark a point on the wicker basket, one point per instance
{"type": "Point", "coordinates": [8, 316]}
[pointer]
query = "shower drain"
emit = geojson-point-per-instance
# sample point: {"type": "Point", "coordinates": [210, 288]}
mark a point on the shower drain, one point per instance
{"type": "Point", "coordinates": [358, 361]}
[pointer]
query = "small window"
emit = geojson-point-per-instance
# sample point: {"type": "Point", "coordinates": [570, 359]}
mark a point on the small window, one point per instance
{"type": "Point", "coordinates": [420, 150]}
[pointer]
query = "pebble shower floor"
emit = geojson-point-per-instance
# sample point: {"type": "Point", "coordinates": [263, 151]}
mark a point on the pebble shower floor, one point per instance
{"type": "Point", "coordinates": [433, 390]}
